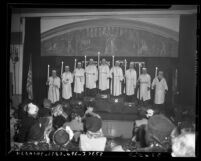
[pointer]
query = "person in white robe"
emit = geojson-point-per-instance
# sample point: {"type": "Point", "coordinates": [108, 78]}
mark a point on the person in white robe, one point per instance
{"type": "Point", "coordinates": [144, 82]}
{"type": "Point", "coordinates": [79, 80]}
{"type": "Point", "coordinates": [67, 79]}
{"type": "Point", "coordinates": [91, 78]}
{"type": "Point", "coordinates": [116, 74]}
{"type": "Point", "coordinates": [131, 79]}
{"type": "Point", "coordinates": [160, 86]}
{"type": "Point", "coordinates": [54, 86]}
{"type": "Point", "coordinates": [104, 75]}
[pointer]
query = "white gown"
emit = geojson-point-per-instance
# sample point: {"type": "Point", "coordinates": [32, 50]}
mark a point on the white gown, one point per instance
{"type": "Point", "coordinates": [131, 78]}
{"type": "Point", "coordinates": [118, 77]}
{"type": "Point", "coordinates": [91, 76]}
{"type": "Point", "coordinates": [79, 80]}
{"type": "Point", "coordinates": [53, 92]}
{"type": "Point", "coordinates": [160, 87]}
{"type": "Point", "coordinates": [104, 74]}
{"type": "Point", "coordinates": [145, 82]}
{"type": "Point", "coordinates": [67, 79]}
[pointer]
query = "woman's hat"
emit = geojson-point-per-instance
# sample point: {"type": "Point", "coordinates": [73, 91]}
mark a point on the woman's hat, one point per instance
{"type": "Point", "coordinates": [62, 136]}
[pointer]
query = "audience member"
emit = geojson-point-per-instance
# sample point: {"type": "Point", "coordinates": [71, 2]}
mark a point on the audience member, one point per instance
{"type": "Point", "coordinates": [93, 140]}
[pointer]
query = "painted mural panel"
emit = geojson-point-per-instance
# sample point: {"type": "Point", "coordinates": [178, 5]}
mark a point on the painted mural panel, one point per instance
{"type": "Point", "coordinates": [110, 40]}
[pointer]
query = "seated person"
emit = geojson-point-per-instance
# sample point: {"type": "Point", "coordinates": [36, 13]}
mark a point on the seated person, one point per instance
{"type": "Point", "coordinates": [89, 112]}
{"type": "Point", "coordinates": [61, 138]}
{"type": "Point", "coordinates": [76, 125]}
{"type": "Point", "coordinates": [45, 111]}
{"type": "Point", "coordinates": [59, 116]}
{"type": "Point", "coordinates": [139, 126]}
{"type": "Point", "coordinates": [158, 133]}
{"type": "Point", "coordinates": [93, 140]}
{"type": "Point", "coordinates": [27, 122]}
{"type": "Point", "coordinates": [183, 145]}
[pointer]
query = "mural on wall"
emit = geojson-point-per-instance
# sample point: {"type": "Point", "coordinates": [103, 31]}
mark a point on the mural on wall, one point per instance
{"type": "Point", "coordinates": [109, 40]}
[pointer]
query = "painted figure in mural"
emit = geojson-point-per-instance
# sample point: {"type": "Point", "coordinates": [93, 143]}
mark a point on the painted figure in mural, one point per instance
{"type": "Point", "coordinates": [161, 88]}
{"type": "Point", "coordinates": [54, 85]}
{"type": "Point", "coordinates": [131, 79]}
{"type": "Point", "coordinates": [110, 45]}
{"type": "Point", "coordinates": [69, 46]}
{"type": "Point", "coordinates": [67, 79]}
{"type": "Point", "coordinates": [104, 74]}
{"type": "Point", "coordinates": [91, 78]}
{"type": "Point", "coordinates": [116, 74]}
{"type": "Point", "coordinates": [144, 82]}
{"type": "Point", "coordinates": [79, 80]}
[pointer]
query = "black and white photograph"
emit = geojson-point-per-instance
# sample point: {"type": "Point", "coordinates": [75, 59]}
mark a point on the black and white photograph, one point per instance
{"type": "Point", "coordinates": [96, 80]}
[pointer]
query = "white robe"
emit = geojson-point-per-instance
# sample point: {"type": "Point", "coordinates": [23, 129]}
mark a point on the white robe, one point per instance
{"type": "Point", "coordinates": [53, 92]}
{"type": "Point", "coordinates": [91, 76]}
{"type": "Point", "coordinates": [131, 78]}
{"type": "Point", "coordinates": [79, 80]}
{"type": "Point", "coordinates": [104, 74]}
{"type": "Point", "coordinates": [118, 77]}
{"type": "Point", "coordinates": [160, 87]}
{"type": "Point", "coordinates": [145, 83]}
{"type": "Point", "coordinates": [67, 79]}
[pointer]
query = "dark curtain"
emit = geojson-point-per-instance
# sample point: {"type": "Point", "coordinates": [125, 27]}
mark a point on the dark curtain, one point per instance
{"type": "Point", "coordinates": [32, 48]}
{"type": "Point", "coordinates": [187, 60]}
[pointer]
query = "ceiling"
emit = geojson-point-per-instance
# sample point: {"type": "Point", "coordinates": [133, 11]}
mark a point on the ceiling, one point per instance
{"type": "Point", "coordinates": [120, 8]}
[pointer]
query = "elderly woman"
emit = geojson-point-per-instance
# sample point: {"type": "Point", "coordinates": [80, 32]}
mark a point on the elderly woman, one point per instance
{"type": "Point", "coordinates": [27, 122]}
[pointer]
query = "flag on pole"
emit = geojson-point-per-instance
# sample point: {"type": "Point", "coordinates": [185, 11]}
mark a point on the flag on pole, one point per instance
{"type": "Point", "coordinates": [29, 81]}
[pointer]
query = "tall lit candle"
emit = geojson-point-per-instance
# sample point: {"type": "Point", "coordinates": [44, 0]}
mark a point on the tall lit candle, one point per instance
{"type": "Point", "coordinates": [156, 71]}
{"type": "Point", "coordinates": [62, 65]}
{"type": "Point", "coordinates": [125, 65]}
{"type": "Point", "coordinates": [139, 68]}
{"type": "Point", "coordinates": [112, 61]}
{"type": "Point", "coordinates": [48, 71]}
{"type": "Point", "coordinates": [85, 61]}
{"type": "Point", "coordinates": [98, 58]}
{"type": "Point", "coordinates": [75, 64]}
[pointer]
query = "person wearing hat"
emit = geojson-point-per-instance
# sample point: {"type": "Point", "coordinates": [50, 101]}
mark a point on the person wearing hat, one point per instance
{"type": "Point", "coordinates": [104, 74]}
{"type": "Point", "coordinates": [144, 82]}
{"type": "Point", "coordinates": [161, 88]}
{"type": "Point", "coordinates": [27, 122]}
{"type": "Point", "coordinates": [79, 80]}
{"type": "Point", "coordinates": [131, 79]}
{"type": "Point", "coordinates": [91, 78]}
{"type": "Point", "coordinates": [93, 140]}
{"type": "Point", "coordinates": [62, 136]}
{"type": "Point", "coordinates": [158, 131]}
{"type": "Point", "coordinates": [116, 74]}
{"type": "Point", "coordinates": [67, 79]}
{"type": "Point", "coordinates": [54, 85]}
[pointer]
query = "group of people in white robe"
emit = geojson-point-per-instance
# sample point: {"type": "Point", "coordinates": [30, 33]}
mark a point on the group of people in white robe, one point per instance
{"type": "Point", "coordinates": [103, 74]}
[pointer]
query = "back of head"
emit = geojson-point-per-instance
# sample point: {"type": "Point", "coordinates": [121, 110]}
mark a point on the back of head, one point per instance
{"type": "Point", "coordinates": [93, 124]}
{"type": "Point", "coordinates": [159, 129]}
{"type": "Point", "coordinates": [184, 145]}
